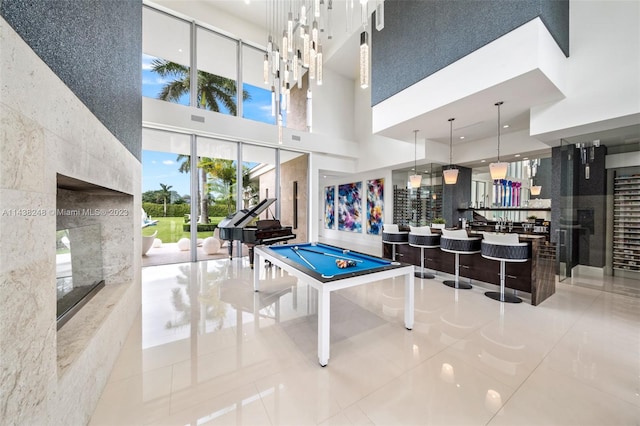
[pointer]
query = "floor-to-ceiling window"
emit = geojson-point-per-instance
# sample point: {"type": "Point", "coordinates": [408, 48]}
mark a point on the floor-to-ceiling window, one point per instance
{"type": "Point", "coordinates": [166, 194]}
{"type": "Point", "coordinates": [259, 177]}
{"type": "Point", "coordinates": [165, 57]}
{"type": "Point", "coordinates": [257, 105]}
{"type": "Point", "coordinates": [217, 58]}
{"type": "Point", "coordinates": [229, 80]}
{"type": "Point", "coordinates": [217, 165]}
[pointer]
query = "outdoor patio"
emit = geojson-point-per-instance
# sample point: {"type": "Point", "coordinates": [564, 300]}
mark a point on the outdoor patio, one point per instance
{"type": "Point", "coordinates": [170, 253]}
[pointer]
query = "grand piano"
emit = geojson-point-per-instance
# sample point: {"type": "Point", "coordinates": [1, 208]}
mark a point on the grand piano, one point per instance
{"type": "Point", "coordinates": [266, 232]}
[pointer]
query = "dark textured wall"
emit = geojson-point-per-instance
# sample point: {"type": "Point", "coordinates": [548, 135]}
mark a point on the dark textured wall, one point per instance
{"type": "Point", "coordinates": [455, 196]}
{"type": "Point", "coordinates": [421, 37]}
{"type": "Point", "coordinates": [591, 210]}
{"type": "Point", "coordinates": [543, 178]}
{"type": "Point", "coordinates": [95, 47]}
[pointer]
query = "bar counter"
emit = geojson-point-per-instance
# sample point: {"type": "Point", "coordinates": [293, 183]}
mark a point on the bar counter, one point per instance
{"type": "Point", "coordinates": [536, 276]}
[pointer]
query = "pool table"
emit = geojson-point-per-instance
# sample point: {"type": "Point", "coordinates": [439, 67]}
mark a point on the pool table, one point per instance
{"type": "Point", "coordinates": [316, 265]}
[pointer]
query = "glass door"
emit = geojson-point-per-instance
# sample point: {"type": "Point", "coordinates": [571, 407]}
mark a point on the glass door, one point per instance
{"type": "Point", "coordinates": [566, 249]}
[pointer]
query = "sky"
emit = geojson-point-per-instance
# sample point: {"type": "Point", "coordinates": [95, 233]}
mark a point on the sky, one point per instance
{"type": "Point", "coordinates": [162, 167]}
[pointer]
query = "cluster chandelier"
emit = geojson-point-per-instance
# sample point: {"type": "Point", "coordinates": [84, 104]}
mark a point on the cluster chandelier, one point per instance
{"type": "Point", "coordinates": [498, 170]}
{"type": "Point", "coordinates": [297, 29]}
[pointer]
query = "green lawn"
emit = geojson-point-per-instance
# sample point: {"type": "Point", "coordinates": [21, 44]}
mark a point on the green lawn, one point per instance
{"type": "Point", "coordinates": [170, 229]}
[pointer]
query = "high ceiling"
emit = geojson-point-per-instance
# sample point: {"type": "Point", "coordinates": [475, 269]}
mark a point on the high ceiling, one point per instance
{"type": "Point", "coordinates": [475, 115]}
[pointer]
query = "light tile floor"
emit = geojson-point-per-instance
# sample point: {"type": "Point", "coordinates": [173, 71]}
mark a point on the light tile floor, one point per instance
{"type": "Point", "coordinates": [206, 349]}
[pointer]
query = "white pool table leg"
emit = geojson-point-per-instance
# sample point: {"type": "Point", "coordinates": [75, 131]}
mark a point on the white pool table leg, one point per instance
{"type": "Point", "coordinates": [324, 322]}
{"type": "Point", "coordinates": [408, 300]}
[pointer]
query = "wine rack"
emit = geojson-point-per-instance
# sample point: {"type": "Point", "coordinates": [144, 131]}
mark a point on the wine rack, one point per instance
{"type": "Point", "coordinates": [626, 223]}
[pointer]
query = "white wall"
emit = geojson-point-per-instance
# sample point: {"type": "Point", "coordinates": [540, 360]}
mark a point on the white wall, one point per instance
{"type": "Point", "coordinates": [511, 143]}
{"type": "Point", "coordinates": [170, 116]}
{"type": "Point", "coordinates": [603, 72]}
{"type": "Point", "coordinates": [379, 151]}
{"type": "Point", "coordinates": [360, 238]}
{"type": "Point", "coordinates": [333, 112]}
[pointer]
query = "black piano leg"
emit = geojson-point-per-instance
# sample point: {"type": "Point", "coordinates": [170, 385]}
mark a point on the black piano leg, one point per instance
{"type": "Point", "coordinates": [251, 256]}
{"type": "Point", "coordinates": [230, 247]}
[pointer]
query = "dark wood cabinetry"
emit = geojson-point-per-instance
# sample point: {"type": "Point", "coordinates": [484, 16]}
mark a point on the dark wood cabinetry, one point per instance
{"type": "Point", "coordinates": [535, 276]}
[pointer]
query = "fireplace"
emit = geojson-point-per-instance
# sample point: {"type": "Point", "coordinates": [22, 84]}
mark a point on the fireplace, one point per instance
{"type": "Point", "coordinates": [78, 269]}
{"type": "Point", "coordinates": [86, 215]}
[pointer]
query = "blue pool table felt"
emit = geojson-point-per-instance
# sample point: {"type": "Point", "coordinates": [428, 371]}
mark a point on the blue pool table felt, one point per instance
{"type": "Point", "coordinates": [323, 257]}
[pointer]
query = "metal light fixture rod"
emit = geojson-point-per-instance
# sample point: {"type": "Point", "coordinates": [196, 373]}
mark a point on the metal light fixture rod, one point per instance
{"type": "Point", "coordinates": [498, 105]}
{"type": "Point", "coordinates": [451, 141]}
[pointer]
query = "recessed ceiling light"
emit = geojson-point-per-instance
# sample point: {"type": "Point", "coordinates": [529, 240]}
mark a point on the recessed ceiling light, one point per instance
{"type": "Point", "coordinates": [461, 137]}
{"type": "Point", "coordinates": [483, 161]}
{"type": "Point", "coordinates": [517, 155]}
{"type": "Point", "coordinates": [525, 158]}
{"type": "Point", "coordinates": [506, 126]}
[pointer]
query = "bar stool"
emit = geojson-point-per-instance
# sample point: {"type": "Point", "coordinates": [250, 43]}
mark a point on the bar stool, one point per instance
{"type": "Point", "coordinates": [458, 242]}
{"type": "Point", "coordinates": [504, 248]}
{"type": "Point", "coordinates": [391, 234]}
{"type": "Point", "coordinates": [421, 236]}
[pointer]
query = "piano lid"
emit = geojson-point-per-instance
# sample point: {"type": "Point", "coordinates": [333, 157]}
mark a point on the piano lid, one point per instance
{"type": "Point", "coordinates": [243, 217]}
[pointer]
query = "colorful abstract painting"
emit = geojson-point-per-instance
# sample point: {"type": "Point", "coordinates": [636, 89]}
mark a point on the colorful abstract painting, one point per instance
{"type": "Point", "coordinates": [329, 207]}
{"type": "Point", "coordinates": [375, 206]}
{"type": "Point", "coordinates": [350, 207]}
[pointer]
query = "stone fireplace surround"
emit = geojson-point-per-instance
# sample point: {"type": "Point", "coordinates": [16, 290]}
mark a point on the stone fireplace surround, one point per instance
{"type": "Point", "coordinates": [49, 377]}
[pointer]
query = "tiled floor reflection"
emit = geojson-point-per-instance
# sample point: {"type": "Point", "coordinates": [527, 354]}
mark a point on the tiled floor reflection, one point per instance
{"type": "Point", "coordinates": [206, 349]}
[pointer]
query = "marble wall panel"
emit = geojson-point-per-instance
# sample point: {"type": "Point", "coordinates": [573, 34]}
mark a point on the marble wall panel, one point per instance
{"type": "Point", "coordinates": [77, 372]}
{"type": "Point", "coordinates": [28, 309]}
{"type": "Point", "coordinates": [22, 152]}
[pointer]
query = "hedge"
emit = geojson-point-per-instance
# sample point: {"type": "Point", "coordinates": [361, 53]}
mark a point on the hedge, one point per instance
{"type": "Point", "coordinates": [180, 210]}
{"type": "Point", "coordinates": [202, 227]}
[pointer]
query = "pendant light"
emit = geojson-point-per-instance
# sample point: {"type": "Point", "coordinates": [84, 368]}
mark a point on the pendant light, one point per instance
{"type": "Point", "coordinates": [364, 60]}
{"type": "Point", "coordinates": [498, 170]}
{"type": "Point", "coordinates": [535, 189]}
{"type": "Point", "coordinates": [416, 178]}
{"type": "Point", "coordinates": [451, 174]}
{"type": "Point", "coordinates": [533, 170]}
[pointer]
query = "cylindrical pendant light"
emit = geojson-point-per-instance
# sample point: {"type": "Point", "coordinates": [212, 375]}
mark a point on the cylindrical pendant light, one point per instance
{"type": "Point", "coordinates": [451, 174]}
{"type": "Point", "coordinates": [364, 60]}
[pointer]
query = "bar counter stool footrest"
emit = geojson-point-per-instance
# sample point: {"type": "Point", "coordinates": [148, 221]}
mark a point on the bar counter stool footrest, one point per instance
{"type": "Point", "coordinates": [504, 252]}
{"type": "Point", "coordinates": [458, 244]}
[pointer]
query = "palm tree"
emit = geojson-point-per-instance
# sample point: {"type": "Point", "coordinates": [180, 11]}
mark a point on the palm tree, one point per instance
{"type": "Point", "coordinates": [163, 194]}
{"type": "Point", "coordinates": [213, 90]}
{"type": "Point", "coordinates": [203, 200]}
{"type": "Point", "coordinates": [225, 171]}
